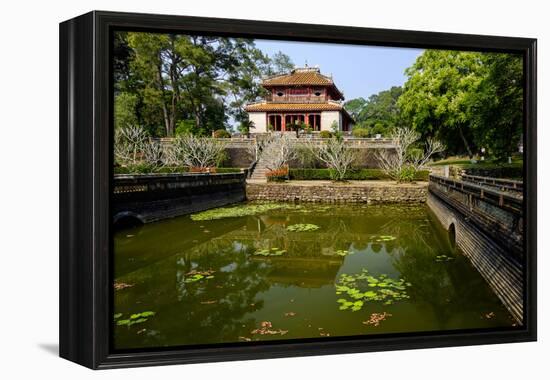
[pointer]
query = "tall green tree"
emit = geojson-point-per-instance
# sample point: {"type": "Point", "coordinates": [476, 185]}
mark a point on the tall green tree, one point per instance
{"type": "Point", "coordinates": [496, 107]}
{"type": "Point", "coordinates": [435, 96]}
{"type": "Point", "coordinates": [355, 106]}
{"type": "Point", "coordinates": [180, 78]}
{"type": "Point", "coordinates": [379, 113]}
{"type": "Point", "coordinates": [279, 63]}
{"type": "Point", "coordinates": [469, 100]}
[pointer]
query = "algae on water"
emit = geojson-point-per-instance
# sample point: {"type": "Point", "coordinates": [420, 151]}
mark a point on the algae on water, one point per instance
{"type": "Point", "coordinates": [240, 210]}
{"type": "Point", "coordinates": [302, 227]}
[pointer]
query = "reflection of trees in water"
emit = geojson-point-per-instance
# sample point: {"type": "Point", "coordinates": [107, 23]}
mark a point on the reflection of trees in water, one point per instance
{"type": "Point", "coordinates": [449, 288]}
{"type": "Point", "coordinates": [226, 298]}
{"type": "Point", "coordinates": [335, 235]}
{"type": "Point", "coordinates": [414, 257]}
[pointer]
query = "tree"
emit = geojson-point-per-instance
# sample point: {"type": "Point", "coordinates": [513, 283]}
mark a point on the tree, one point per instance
{"type": "Point", "coordinates": [297, 127]}
{"type": "Point", "coordinates": [335, 154]}
{"type": "Point", "coordinates": [245, 126]}
{"type": "Point", "coordinates": [355, 107]}
{"type": "Point", "coordinates": [280, 63]}
{"type": "Point", "coordinates": [195, 152]}
{"type": "Point", "coordinates": [128, 146]}
{"type": "Point", "coordinates": [468, 100]}
{"type": "Point", "coordinates": [496, 107]}
{"type": "Point", "coordinates": [435, 97]}
{"type": "Point", "coordinates": [133, 146]}
{"type": "Point", "coordinates": [402, 162]}
{"type": "Point", "coordinates": [279, 152]}
{"type": "Point", "coordinates": [181, 77]}
{"type": "Point", "coordinates": [125, 110]}
{"type": "Point", "coordinates": [379, 114]}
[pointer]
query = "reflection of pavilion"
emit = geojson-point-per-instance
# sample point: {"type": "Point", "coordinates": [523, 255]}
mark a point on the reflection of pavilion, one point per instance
{"type": "Point", "coordinates": [308, 261]}
{"type": "Point", "coordinates": [308, 272]}
{"type": "Point", "coordinates": [307, 267]}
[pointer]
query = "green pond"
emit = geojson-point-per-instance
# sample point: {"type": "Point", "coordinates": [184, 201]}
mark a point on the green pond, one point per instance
{"type": "Point", "coordinates": [294, 271]}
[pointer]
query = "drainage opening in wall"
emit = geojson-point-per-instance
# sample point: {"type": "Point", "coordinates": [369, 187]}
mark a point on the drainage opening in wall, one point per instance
{"type": "Point", "coordinates": [452, 235]}
{"type": "Point", "coordinates": [126, 220]}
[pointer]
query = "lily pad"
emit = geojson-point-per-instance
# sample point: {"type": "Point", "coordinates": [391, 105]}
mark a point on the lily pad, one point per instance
{"type": "Point", "coordinates": [382, 238]}
{"type": "Point", "coordinates": [195, 276]}
{"type": "Point", "coordinates": [363, 287]}
{"type": "Point", "coordinates": [303, 227]}
{"type": "Point", "coordinates": [443, 258]}
{"type": "Point", "coordinates": [135, 318]}
{"type": "Point", "coordinates": [270, 252]}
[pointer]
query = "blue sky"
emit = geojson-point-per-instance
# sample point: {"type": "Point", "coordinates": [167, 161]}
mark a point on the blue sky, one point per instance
{"type": "Point", "coordinates": [358, 71]}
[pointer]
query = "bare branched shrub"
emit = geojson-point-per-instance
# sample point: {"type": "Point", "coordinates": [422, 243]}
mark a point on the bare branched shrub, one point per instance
{"type": "Point", "coordinates": [402, 163]}
{"type": "Point", "coordinates": [194, 152]}
{"type": "Point", "coordinates": [153, 154]}
{"type": "Point", "coordinates": [336, 155]}
{"type": "Point", "coordinates": [432, 146]}
{"type": "Point", "coordinates": [129, 143]}
{"type": "Point", "coordinates": [134, 147]}
{"type": "Point", "coordinates": [258, 144]}
{"type": "Point", "coordinates": [279, 151]}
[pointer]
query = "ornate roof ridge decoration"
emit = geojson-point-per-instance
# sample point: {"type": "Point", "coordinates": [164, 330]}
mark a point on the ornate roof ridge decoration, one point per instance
{"type": "Point", "coordinates": [299, 76]}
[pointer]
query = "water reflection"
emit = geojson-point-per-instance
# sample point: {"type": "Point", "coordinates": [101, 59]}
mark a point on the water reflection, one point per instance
{"type": "Point", "coordinates": [295, 291]}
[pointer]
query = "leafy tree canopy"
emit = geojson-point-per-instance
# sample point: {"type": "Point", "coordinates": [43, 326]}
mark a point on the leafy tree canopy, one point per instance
{"type": "Point", "coordinates": [180, 77]}
{"type": "Point", "coordinates": [378, 114]}
{"type": "Point", "coordinates": [468, 100]}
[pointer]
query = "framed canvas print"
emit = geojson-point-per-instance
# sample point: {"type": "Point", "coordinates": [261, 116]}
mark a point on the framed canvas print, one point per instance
{"type": "Point", "coordinates": [236, 189]}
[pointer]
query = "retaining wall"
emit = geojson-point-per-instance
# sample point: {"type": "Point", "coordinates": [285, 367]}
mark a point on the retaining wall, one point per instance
{"type": "Point", "coordinates": [370, 193]}
{"type": "Point", "coordinates": [498, 266]}
{"type": "Point", "coordinates": [149, 198]}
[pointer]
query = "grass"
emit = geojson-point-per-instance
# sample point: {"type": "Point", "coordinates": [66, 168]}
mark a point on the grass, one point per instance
{"type": "Point", "coordinates": [487, 168]}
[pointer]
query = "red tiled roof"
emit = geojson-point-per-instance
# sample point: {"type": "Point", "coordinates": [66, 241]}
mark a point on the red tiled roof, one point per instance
{"type": "Point", "coordinates": [299, 77]}
{"type": "Point", "coordinates": [304, 76]}
{"type": "Point", "coordinates": [260, 107]}
{"type": "Point", "coordinates": [305, 107]}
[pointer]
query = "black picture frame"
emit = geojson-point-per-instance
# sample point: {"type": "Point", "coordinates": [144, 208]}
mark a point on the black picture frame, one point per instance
{"type": "Point", "coordinates": [86, 172]}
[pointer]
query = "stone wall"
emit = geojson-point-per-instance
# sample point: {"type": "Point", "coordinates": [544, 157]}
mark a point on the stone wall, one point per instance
{"type": "Point", "coordinates": [502, 271]}
{"type": "Point", "coordinates": [370, 193]}
{"type": "Point", "coordinates": [149, 198]}
{"type": "Point", "coordinates": [238, 157]}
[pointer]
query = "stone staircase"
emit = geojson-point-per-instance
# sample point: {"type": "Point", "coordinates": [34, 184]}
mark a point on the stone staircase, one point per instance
{"type": "Point", "coordinates": [258, 174]}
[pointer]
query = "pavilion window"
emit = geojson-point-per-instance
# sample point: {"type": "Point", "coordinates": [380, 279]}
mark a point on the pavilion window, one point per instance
{"type": "Point", "coordinates": [314, 122]}
{"type": "Point", "coordinates": [291, 119]}
{"type": "Point", "coordinates": [276, 122]}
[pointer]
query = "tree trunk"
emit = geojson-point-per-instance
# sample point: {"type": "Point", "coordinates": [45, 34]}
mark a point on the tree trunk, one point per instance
{"type": "Point", "coordinates": [169, 130]}
{"type": "Point", "coordinates": [466, 145]}
{"type": "Point", "coordinates": [175, 89]}
{"type": "Point", "coordinates": [197, 119]}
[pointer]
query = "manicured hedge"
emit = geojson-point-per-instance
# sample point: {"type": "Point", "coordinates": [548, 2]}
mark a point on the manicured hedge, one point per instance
{"type": "Point", "coordinates": [228, 170]}
{"type": "Point", "coordinates": [356, 174]}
